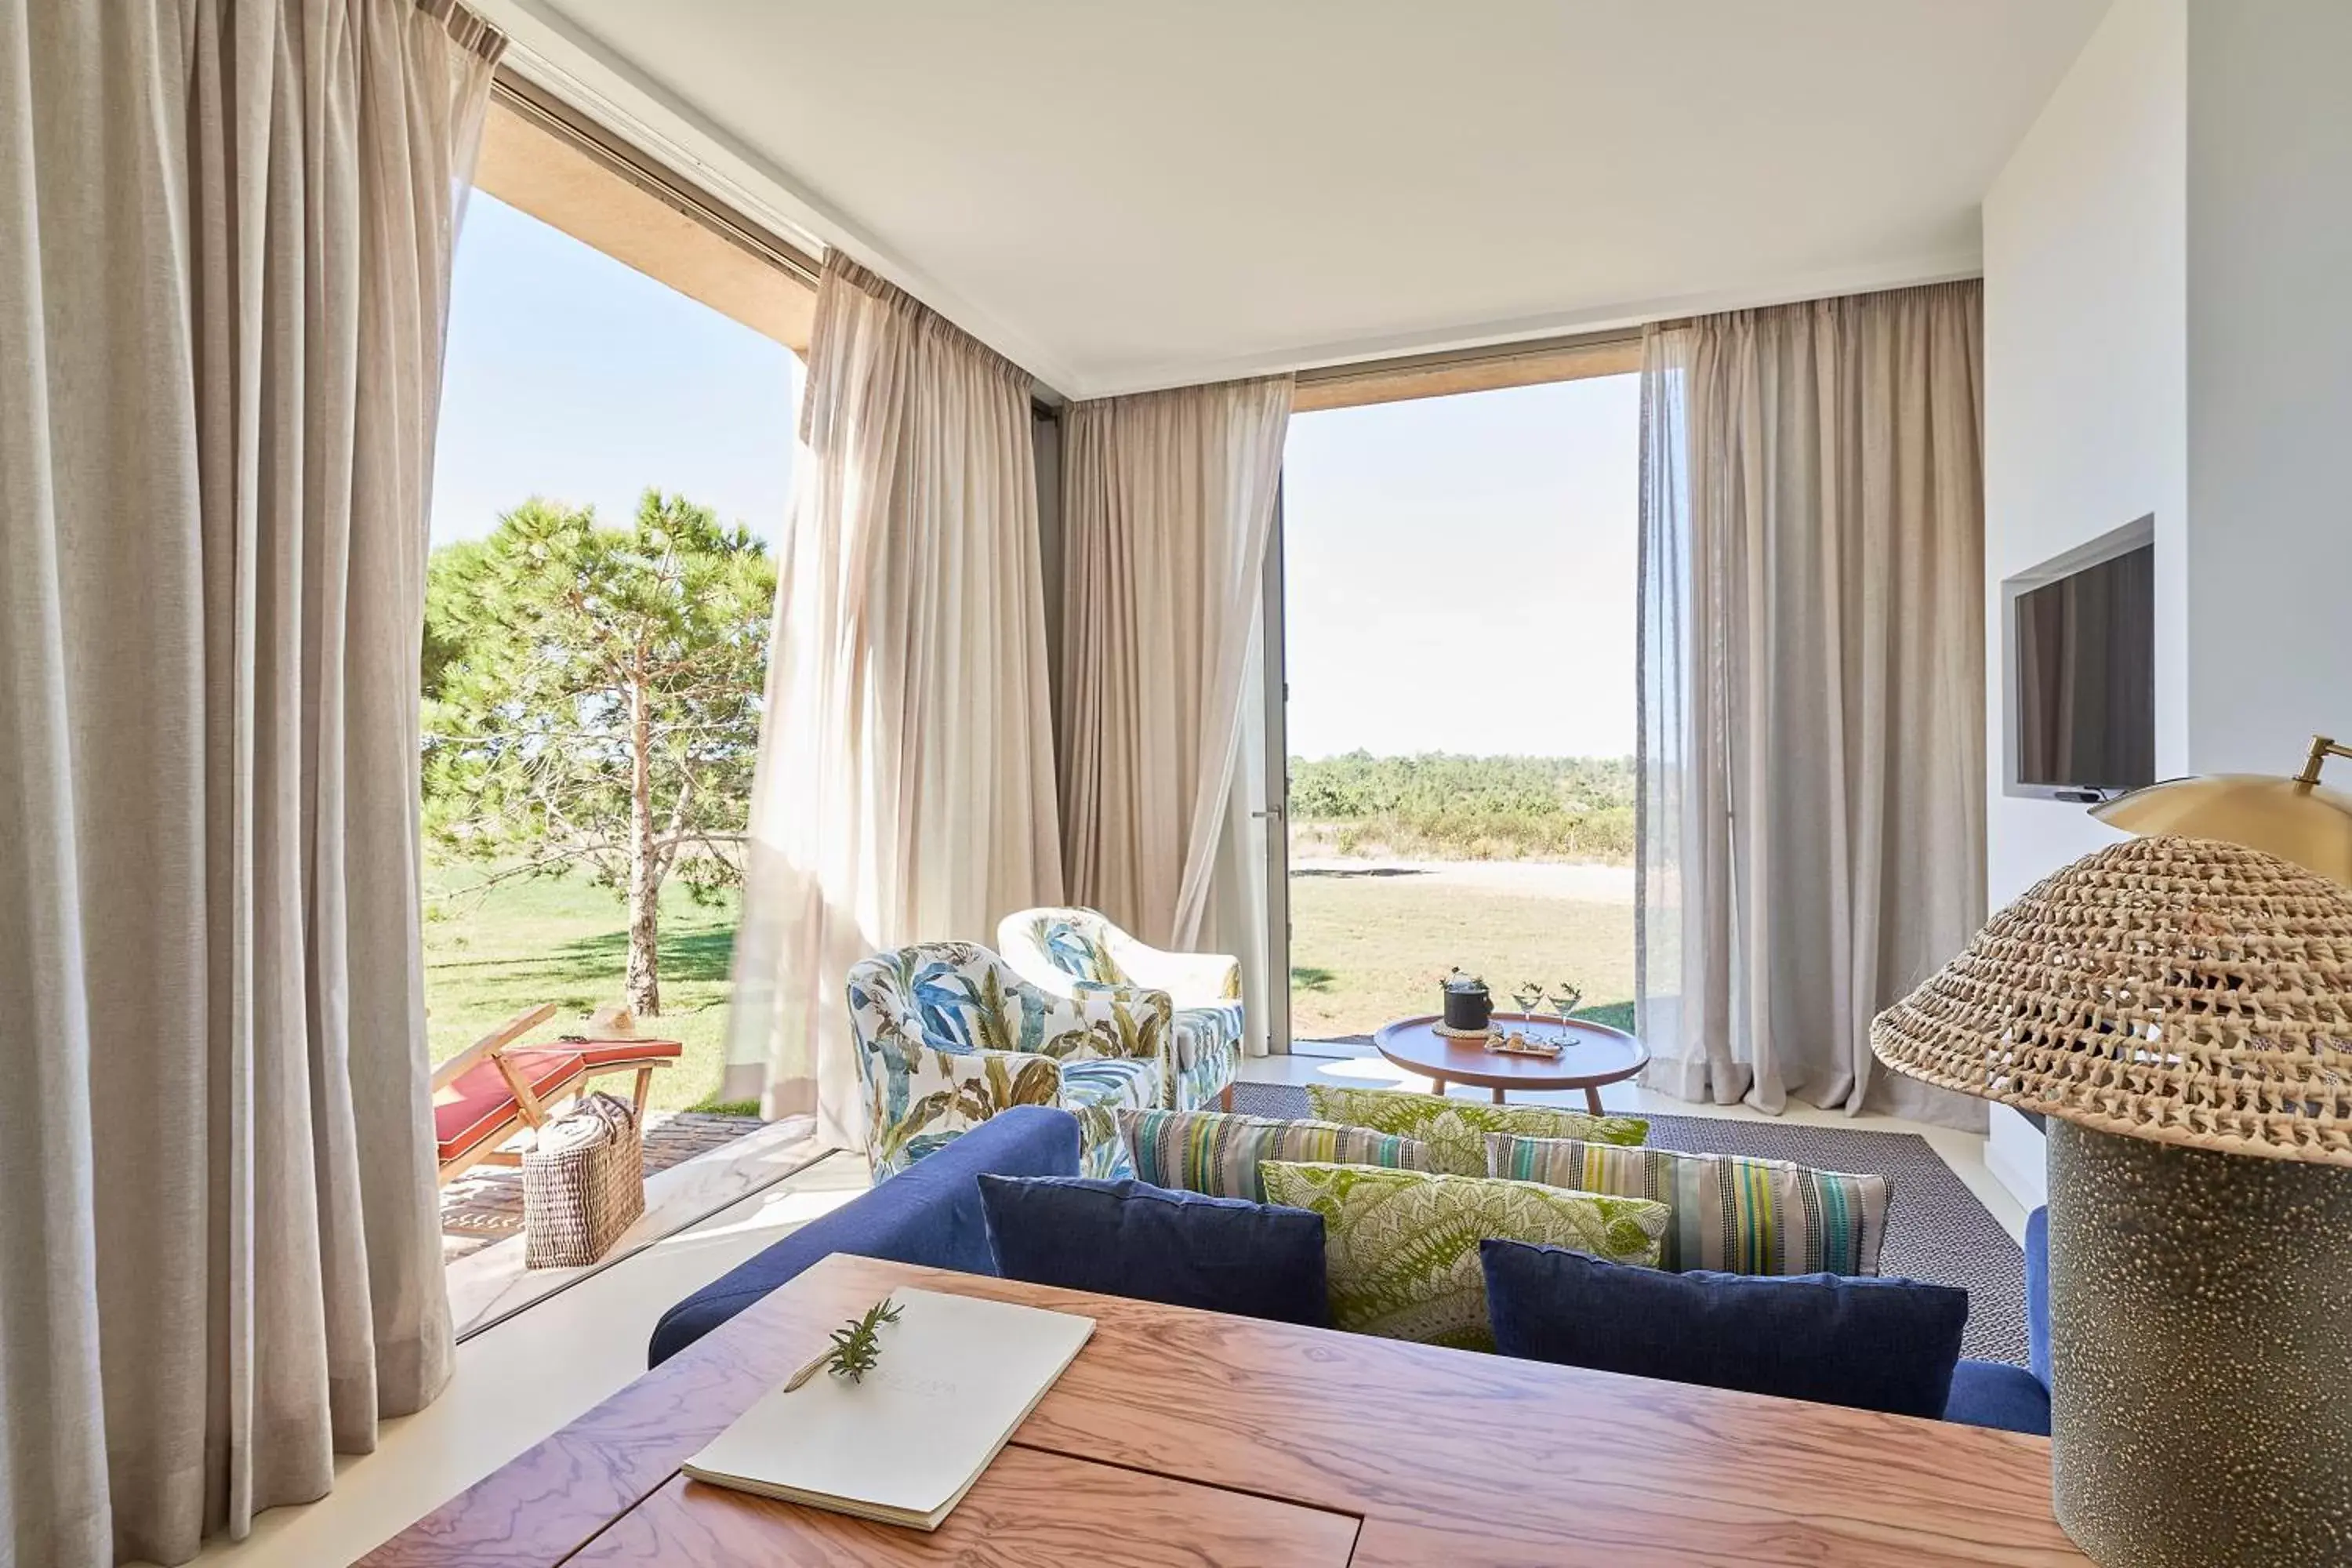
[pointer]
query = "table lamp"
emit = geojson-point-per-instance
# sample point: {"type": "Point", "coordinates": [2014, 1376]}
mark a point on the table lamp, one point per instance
{"type": "Point", "coordinates": [2181, 1011]}
{"type": "Point", "coordinates": [2298, 819]}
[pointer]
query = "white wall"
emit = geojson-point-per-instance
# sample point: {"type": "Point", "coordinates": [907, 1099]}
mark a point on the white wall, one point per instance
{"type": "Point", "coordinates": [2270, 380]}
{"type": "Point", "coordinates": [2086, 377]}
{"type": "Point", "coordinates": [2168, 331]}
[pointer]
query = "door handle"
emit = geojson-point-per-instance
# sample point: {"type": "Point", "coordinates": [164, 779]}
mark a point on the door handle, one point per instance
{"type": "Point", "coordinates": [1269, 811]}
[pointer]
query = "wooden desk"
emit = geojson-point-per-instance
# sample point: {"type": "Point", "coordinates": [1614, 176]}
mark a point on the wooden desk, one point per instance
{"type": "Point", "coordinates": [1188, 1438]}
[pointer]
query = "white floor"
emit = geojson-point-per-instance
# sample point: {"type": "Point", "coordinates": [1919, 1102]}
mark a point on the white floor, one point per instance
{"type": "Point", "coordinates": [486, 1285]}
{"type": "Point", "coordinates": [531, 1373]}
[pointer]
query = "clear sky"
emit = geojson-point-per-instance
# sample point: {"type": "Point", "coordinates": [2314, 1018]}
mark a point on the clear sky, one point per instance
{"type": "Point", "coordinates": [1461, 573]}
{"type": "Point", "coordinates": [1461, 570]}
{"type": "Point", "coordinates": [573, 377]}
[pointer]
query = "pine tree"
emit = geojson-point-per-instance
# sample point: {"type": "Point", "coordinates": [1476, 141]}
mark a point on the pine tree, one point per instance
{"type": "Point", "coordinates": [592, 702]}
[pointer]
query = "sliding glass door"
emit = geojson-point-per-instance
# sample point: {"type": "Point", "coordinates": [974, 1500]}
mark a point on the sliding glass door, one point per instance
{"type": "Point", "coordinates": [1449, 705]}
{"type": "Point", "coordinates": [1275, 812]}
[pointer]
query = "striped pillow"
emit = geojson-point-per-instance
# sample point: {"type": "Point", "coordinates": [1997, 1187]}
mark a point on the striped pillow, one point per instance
{"type": "Point", "coordinates": [1456, 1130]}
{"type": "Point", "coordinates": [1731, 1213]}
{"type": "Point", "coordinates": [1209, 1152]}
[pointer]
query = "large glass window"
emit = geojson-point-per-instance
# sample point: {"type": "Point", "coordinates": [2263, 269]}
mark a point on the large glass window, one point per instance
{"type": "Point", "coordinates": [1458, 623]}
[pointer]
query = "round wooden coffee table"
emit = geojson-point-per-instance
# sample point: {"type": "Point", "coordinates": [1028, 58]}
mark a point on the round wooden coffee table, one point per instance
{"type": "Point", "coordinates": [1596, 1055]}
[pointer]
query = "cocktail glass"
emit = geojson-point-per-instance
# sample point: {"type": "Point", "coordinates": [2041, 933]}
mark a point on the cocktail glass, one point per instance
{"type": "Point", "coordinates": [1566, 996]}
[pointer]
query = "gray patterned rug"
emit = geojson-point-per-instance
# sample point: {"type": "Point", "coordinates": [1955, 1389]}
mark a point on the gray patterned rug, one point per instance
{"type": "Point", "coordinates": [1935, 1228]}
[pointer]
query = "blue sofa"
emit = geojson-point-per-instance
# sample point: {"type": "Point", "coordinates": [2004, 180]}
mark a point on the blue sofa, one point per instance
{"type": "Point", "coordinates": [1999, 1393]}
{"type": "Point", "coordinates": [929, 1214]}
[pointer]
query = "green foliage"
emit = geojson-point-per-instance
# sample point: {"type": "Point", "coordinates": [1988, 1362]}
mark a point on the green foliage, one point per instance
{"type": "Point", "coordinates": [858, 1345]}
{"type": "Point", "coordinates": [1442, 806]}
{"type": "Point", "coordinates": [491, 952]}
{"type": "Point", "coordinates": [559, 652]}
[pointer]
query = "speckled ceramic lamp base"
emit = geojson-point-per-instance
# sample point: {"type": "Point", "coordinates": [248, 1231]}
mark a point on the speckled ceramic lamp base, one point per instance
{"type": "Point", "coordinates": [2201, 1309]}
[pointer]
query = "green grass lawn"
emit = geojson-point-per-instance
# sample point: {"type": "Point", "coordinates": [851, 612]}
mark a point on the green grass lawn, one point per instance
{"type": "Point", "coordinates": [491, 955]}
{"type": "Point", "coordinates": [1367, 949]}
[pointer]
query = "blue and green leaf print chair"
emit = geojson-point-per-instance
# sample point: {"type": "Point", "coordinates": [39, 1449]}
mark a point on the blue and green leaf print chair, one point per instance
{"type": "Point", "coordinates": [1072, 953]}
{"type": "Point", "coordinates": [948, 1036]}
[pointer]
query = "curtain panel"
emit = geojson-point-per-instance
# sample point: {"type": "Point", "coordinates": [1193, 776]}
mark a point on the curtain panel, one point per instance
{"type": "Point", "coordinates": [224, 286]}
{"type": "Point", "coordinates": [905, 786]}
{"type": "Point", "coordinates": [1812, 733]}
{"type": "Point", "coordinates": [1168, 503]}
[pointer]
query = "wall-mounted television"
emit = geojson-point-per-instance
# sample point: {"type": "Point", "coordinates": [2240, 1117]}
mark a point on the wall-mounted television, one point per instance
{"type": "Point", "coordinates": [2082, 667]}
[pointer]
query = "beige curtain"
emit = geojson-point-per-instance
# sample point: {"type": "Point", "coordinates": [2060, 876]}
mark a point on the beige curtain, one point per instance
{"type": "Point", "coordinates": [905, 790]}
{"type": "Point", "coordinates": [224, 282]}
{"type": "Point", "coordinates": [1812, 767]}
{"type": "Point", "coordinates": [1168, 500]}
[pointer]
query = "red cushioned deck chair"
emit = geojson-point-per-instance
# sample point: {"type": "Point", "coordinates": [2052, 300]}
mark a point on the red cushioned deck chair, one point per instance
{"type": "Point", "coordinates": [494, 1089]}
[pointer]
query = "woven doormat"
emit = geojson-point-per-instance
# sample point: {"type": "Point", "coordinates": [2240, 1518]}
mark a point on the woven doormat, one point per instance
{"type": "Point", "coordinates": [1935, 1228]}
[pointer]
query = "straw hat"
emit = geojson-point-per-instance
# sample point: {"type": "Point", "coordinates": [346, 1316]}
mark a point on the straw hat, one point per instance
{"type": "Point", "coordinates": [2182, 990]}
{"type": "Point", "coordinates": [613, 1021]}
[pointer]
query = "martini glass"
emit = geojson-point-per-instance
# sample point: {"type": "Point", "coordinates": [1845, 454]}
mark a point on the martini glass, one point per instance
{"type": "Point", "coordinates": [1566, 996]}
{"type": "Point", "coordinates": [1530, 995]}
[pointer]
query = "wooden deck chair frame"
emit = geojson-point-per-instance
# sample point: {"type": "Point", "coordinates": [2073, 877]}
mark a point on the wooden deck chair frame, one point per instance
{"type": "Point", "coordinates": [529, 1110]}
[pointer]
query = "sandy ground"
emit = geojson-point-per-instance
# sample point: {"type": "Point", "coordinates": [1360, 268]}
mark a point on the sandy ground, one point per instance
{"type": "Point", "coordinates": [1530, 878]}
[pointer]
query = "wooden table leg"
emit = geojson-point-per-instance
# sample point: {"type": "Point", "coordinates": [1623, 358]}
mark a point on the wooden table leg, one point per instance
{"type": "Point", "coordinates": [1436, 1084]}
{"type": "Point", "coordinates": [1498, 1094]}
{"type": "Point", "coordinates": [1591, 1099]}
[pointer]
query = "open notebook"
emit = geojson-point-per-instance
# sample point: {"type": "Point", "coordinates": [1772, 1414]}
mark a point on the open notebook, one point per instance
{"type": "Point", "coordinates": [957, 1375]}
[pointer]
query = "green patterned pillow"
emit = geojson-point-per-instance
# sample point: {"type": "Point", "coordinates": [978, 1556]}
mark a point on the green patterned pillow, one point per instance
{"type": "Point", "coordinates": [1209, 1152]}
{"type": "Point", "coordinates": [1456, 1130]}
{"type": "Point", "coordinates": [1733, 1213]}
{"type": "Point", "coordinates": [1401, 1248]}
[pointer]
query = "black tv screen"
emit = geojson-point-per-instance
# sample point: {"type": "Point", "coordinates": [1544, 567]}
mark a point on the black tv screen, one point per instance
{"type": "Point", "coordinates": [2085, 664]}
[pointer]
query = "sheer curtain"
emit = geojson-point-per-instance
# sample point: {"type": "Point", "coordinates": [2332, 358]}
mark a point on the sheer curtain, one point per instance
{"type": "Point", "coordinates": [1167, 500]}
{"type": "Point", "coordinates": [905, 789]}
{"type": "Point", "coordinates": [222, 291]}
{"type": "Point", "coordinates": [1812, 740]}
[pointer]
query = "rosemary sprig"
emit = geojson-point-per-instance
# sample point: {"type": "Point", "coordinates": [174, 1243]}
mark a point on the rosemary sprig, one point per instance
{"type": "Point", "coordinates": [858, 1345]}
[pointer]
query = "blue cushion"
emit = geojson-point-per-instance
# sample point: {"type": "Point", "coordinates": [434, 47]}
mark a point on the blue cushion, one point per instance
{"type": "Point", "coordinates": [1999, 1394]}
{"type": "Point", "coordinates": [1872, 1343]}
{"type": "Point", "coordinates": [2037, 1293]}
{"type": "Point", "coordinates": [1996, 1393]}
{"type": "Point", "coordinates": [929, 1213]}
{"type": "Point", "coordinates": [1184, 1249]}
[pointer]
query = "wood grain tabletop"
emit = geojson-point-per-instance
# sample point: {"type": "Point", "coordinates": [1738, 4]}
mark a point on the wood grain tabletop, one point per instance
{"type": "Point", "coordinates": [1180, 1437]}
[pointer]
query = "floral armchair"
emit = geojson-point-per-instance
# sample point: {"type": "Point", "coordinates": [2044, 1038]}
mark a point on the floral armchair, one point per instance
{"type": "Point", "coordinates": [948, 1036]}
{"type": "Point", "coordinates": [1075, 953]}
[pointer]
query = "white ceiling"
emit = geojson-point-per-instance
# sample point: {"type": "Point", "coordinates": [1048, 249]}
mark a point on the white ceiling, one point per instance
{"type": "Point", "coordinates": [1125, 194]}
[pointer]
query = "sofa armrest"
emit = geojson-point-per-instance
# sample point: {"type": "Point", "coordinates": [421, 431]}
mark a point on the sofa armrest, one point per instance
{"type": "Point", "coordinates": [928, 1214]}
{"type": "Point", "coordinates": [1191, 979]}
{"type": "Point", "coordinates": [949, 1092]}
{"type": "Point", "coordinates": [1118, 1021]}
{"type": "Point", "coordinates": [2037, 1293]}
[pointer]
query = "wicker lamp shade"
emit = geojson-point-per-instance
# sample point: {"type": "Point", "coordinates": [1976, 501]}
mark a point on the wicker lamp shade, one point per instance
{"type": "Point", "coordinates": [2184, 991]}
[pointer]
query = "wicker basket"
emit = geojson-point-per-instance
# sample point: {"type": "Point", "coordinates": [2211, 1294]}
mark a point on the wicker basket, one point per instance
{"type": "Point", "coordinates": [583, 1183]}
